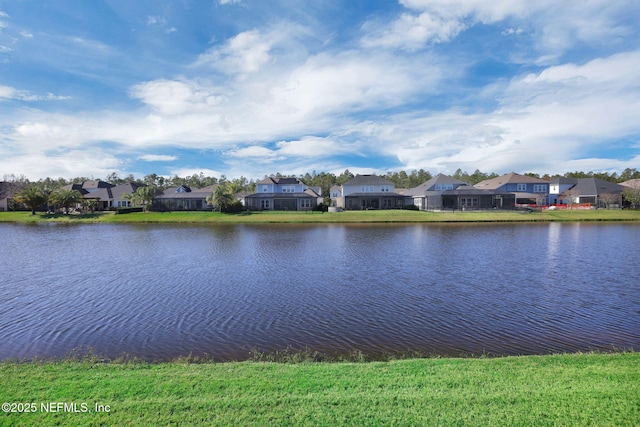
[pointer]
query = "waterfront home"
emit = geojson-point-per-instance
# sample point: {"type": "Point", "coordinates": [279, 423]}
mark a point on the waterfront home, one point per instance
{"type": "Point", "coordinates": [593, 191]}
{"type": "Point", "coordinates": [527, 190]}
{"type": "Point", "coordinates": [283, 193]}
{"type": "Point", "coordinates": [370, 192]}
{"type": "Point", "coordinates": [183, 198]}
{"type": "Point", "coordinates": [106, 195]}
{"type": "Point", "coordinates": [444, 192]}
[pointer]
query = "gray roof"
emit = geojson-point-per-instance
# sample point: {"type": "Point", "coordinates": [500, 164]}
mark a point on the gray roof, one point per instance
{"type": "Point", "coordinates": [192, 193]}
{"type": "Point", "coordinates": [595, 187]}
{"type": "Point", "coordinates": [367, 180]}
{"type": "Point", "coordinates": [281, 181]}
{"type": "Point", "coordinates": [573, 181]}
{"type": "Point", "coordinates": [96, 184]}
{"type": "Point", "coordinates": [430, 184]}
{"type": "Point", "coordinates": [510, 178]}
{"type": "Point", "coordinates": [119, 191]}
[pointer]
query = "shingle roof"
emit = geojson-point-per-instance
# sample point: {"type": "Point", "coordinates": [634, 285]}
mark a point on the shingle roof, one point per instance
{"type": "Point", "coordinates": [564, 181]}
{"type": "Point", "coordinates": [595, 187]}
{"type": "Point", "coordinates": [367, 180]}
{"type": "Point", "coordinates": [631, 183]}
{"type": "Point", "coordinates": [281, 181]}
{"type": "Point", "coordinates": [195, 193]}
{"type": "Point", "coordinates": [128, 188]}
{"type": "Point", "coordinates": [430, 184]}
{"type": "Point", "coordinates": [510, 178]}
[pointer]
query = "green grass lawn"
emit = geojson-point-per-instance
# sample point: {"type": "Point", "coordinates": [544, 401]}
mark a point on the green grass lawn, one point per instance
{"type": "Point", "coordinates": [554, 390]}
{"type": "Point", "coordinates": [379, 216]}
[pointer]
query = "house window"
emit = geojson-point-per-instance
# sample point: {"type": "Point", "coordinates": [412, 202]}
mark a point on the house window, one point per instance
{"type": "Point", "coordinates": [288, 189]}
{"type": "Point", "coordinates": [367, 188]}
{"type": "Point", "coordinates": [469, 202]}
{"type": "Point", "coordinates": [441, 187]}
{"type": "Point", "coordinates": [539, 188]}
{"type": "Point", "coordinates": [265, 204]}
{"type": "Point", "coordinates": [265, 188]}
{"type": "Point", "coordinates": [335, 194]}
{"type": "Point", "coordinates": [123, 203]}
{"type": "Point", "coordinates": [385, 189]}
{"type": "Point", "coordinates": [305, 203]}
{"type": "Point", "coordinates": [521, 187]}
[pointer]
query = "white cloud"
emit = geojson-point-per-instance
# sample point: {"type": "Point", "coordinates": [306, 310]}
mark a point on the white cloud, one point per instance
{"type": "Point", "coordinates": [7, 92]}
{"type": "Point", "coordinates": [555, 26]}
{"type": "Point", "coordinates": [245, 53]}
{"type": "Point", "coordinates": [254, 152]}
{"type": "Point", "coordinates": [91, 162]}
{"type": "Point", "coordinates": [158, 158]}
{"type": "Point", "coordinates": [176, 97]}
{"type": "Point", "coordinates": [411, 32]}
{"type": "Point", "coordinates": [153, 20]}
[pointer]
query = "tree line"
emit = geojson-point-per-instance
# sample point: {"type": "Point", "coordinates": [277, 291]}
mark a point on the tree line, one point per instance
{"type": "Point", "coordinates": [325, 180]}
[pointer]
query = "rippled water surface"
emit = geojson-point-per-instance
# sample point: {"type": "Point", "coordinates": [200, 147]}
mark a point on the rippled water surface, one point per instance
{"type": "Point", "coordinates": [161, 291]}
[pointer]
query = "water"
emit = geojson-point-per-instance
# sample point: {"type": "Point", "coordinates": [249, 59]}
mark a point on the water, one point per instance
{"type": "Point", "coordinates": [163, 291]}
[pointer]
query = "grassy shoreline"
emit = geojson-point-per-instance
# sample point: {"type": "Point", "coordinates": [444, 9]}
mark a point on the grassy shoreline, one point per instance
{"type": "Point", "coordinates": [380, 216]}
{"type": "Point", "coordinates": [568, 389]}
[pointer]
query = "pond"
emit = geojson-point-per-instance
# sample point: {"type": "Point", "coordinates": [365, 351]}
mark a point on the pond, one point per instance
{"type": "Point", "coordinates": [162, 291]}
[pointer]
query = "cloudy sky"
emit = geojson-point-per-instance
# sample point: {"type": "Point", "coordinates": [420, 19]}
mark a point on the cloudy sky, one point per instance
{"type": "Point", "coordinates": [254, 87]}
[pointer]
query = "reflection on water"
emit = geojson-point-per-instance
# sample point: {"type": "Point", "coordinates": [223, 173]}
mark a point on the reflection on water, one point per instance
{"type": "Point", "coordinates": [159, 292]}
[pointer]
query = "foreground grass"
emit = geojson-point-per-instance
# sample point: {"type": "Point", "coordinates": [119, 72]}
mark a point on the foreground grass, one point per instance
{"type": "Point", "coordinates": [380, 216]}
{"type": "Point", "coordinates": [567, 390]}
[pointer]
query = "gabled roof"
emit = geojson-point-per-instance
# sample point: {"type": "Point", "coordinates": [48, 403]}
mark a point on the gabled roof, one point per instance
{"type": "Point", "coordinates": [119, 191]}
{"type": "Point", "coordinates": [595, 187]}
{"type": "Point", "coordinates": [431, 184]}
{"type": "Point", "coordinates": [101, 193]}
{"type": "Point", "coordinates": [561, 180]}
{"type": "Point", "coordinates": [193, 193]}
{"type": "Point", "coordinates": [631, 183]}
{"type": "Point", "coordinates": [282, 181]}
{"type": "Point", "coordinates": [367, 180]}
{"type": "Point", "coordinates": [510, 178]}
{"type": "Point", "coordinates": [87, 185]}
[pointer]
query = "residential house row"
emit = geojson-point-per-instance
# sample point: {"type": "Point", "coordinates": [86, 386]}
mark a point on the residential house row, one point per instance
{"type": "Point", "coordinates": [442, 192]}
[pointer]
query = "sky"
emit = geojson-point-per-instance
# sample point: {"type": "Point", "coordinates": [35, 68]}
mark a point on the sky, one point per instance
{"type": "Point", "coordinates": [255, 87]}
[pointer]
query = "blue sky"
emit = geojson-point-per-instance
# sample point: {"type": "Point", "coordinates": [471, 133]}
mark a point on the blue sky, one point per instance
{"type": "Point", "coordinates": [254, 87]}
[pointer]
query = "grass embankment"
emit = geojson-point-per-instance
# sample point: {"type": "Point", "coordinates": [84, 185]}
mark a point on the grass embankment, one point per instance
{"type": "Point", "coordinates": [567, 390]}
{"type": "Point", "coordinates": [380, 216]}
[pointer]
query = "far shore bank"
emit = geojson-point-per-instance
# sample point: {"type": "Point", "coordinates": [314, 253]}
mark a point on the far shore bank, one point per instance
{"type": "Point", "coordinates": [377, 216]}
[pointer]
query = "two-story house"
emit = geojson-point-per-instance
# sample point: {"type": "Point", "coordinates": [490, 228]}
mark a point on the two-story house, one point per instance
{"type": "Point", "coordinates": [527, 190]}
{"type": "Point", "coordinates": [369, 192]}
{"type": "Point", "coordinates": [443, 192]}
{"type": "Point", "coordinates": [290, 193]}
